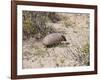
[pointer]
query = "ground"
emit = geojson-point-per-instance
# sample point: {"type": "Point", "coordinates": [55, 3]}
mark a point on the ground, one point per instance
{"type": "Point", "coordinates": [73, 52]}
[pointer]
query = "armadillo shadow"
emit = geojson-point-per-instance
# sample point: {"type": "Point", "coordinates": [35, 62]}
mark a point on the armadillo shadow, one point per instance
{"type": "Point", "coordinates": [59, 45]}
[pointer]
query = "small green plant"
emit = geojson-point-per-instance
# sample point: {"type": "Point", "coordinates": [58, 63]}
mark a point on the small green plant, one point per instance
{"type": "Point", "coordinates": [85, 50]}
{"type": "Point", "coordinates": [67, 24]}
{"type": "Point", "coordinates": [62, 61]}
{"type": "Point", "coordinates": [40, 52]}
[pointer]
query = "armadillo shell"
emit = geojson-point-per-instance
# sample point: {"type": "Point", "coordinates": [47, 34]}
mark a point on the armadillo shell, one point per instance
{"type": "Point", "coordinates": [52, 39]}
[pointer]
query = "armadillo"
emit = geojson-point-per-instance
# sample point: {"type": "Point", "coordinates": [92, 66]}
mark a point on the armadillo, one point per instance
{"type": "Point", "coordinates": [53, 38]}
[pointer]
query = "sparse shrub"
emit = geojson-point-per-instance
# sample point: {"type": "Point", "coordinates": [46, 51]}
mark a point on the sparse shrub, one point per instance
{"type": "Point", "coordinates": [54, 17]}
{"type": "Point", "coordinates": [35, 23]}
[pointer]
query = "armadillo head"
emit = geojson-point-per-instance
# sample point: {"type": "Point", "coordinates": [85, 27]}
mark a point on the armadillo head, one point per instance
{"type": "Point", "coordinates": [63, 37]}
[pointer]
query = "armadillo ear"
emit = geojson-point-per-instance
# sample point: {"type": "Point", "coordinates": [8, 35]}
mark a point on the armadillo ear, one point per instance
{"type": "Point", "coordinates": [63, 38]}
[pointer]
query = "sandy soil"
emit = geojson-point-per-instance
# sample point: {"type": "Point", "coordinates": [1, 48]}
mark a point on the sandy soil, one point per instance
{"type": "Point", "coordinates": [69, 53]}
